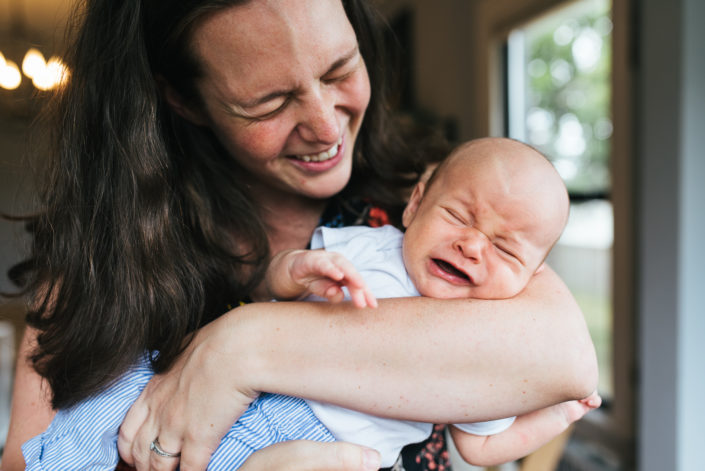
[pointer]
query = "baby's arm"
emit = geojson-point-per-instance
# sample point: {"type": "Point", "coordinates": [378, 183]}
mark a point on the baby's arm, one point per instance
{"type": "Point", "coordinates": [293, 274]}
{"type": "Point", "coordinates": [528, 433]}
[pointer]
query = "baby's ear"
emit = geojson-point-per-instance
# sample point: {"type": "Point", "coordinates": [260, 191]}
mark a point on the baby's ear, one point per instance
{"type": "Point", "coordinates": [413, 205]}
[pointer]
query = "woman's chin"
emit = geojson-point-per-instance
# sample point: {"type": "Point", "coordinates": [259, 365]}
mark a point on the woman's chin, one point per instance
{"type": "Point", "coordinates": [324, 193]}
{"type": "Point", "coordinates": [327, 187]}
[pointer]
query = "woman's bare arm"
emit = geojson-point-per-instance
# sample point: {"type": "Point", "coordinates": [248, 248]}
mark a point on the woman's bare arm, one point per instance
{"type": "Point", "coordinates": [31, 409]}
{"type": "Point", "coordinates": [474, 359]}
{"type": "Point", "coordinates": [412, 358]}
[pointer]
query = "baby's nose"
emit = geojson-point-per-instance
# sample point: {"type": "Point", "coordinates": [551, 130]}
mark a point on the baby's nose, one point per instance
{"type": "Point", "coordinates": [472, 245]}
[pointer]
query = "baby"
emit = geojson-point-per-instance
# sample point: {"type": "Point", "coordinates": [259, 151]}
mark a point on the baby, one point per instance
{"type": "Point", "coordinates": [481, 227]}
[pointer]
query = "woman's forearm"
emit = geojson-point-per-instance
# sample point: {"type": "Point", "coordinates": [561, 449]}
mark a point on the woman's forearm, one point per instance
{"type": "Point", "coordinates": [418, 358]}
{"type": "Point", "coordinates": [31, 409]}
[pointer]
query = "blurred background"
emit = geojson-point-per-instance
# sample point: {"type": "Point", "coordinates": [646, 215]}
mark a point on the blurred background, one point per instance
{"type": "Point", "coordinates": [611, 91]}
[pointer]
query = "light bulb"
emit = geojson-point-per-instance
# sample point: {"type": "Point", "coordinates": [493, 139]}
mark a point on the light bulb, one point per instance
{"type": "Point", "coordinates": [57, 70]}
{"type": "Point", "coordinates": [10, 77]}
{"type": "Point", "coordinates": [33, 63]}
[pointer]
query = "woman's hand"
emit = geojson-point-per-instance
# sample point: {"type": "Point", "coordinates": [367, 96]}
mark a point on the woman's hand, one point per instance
{"type": "Point", "coordinates": [304, 455]}
{"type": "Point", "coordinates": [189, 408]}
{"type": "Point", "coordinates": [180, 406]}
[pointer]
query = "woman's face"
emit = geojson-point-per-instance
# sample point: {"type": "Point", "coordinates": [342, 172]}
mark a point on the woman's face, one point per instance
{"type": "Point", "coordinates": [285, 90]}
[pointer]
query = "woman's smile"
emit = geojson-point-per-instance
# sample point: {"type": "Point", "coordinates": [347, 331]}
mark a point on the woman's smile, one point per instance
{"type": "Point", "coordinates": [321, 156]}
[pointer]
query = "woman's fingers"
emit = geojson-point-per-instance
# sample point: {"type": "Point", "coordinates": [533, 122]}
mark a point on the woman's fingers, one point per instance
{"type": "Point", "coordinates": [139, 430]}
{"type": "Point", "coordinates": [194, 456]}
{"type": "Point", "coordinates": [164, 453]}
{"type": "Point", "coordinates": [140, 450]}
{"type": "Point", "coordinates": [134, 419]}
{"type": "Point", "coordinates": [304, 455]}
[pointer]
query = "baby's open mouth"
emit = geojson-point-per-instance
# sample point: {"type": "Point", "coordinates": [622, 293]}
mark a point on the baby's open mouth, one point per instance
{"type": "Point", "coordinates": [450, 269]}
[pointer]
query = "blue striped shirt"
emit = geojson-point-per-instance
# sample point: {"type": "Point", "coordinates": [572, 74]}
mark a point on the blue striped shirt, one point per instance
{"type": "Point", "coordinates": [85, 436]}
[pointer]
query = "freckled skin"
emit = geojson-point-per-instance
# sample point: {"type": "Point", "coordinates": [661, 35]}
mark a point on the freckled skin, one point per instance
{"type": "Point", "coordinates": [313, 106]}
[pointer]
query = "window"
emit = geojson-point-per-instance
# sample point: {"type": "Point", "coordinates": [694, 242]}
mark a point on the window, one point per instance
{"type": "Point", "coordinates": [558, 100]}
{"type": "Point", "coordinates": [566, 93]}
{"type": "Point", "coordinates": [557, 74]}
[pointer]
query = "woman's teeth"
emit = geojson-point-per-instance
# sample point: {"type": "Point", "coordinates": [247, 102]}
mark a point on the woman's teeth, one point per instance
{"type": "Point", "coordinates": [322, 156]}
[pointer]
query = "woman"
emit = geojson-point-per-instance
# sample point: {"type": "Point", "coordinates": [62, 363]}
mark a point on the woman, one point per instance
{"type": "Point", "coordinates": [197, 138]}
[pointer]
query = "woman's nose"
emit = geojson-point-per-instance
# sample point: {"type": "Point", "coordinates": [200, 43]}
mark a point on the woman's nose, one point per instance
{"type": "Point", "coordinates": [318, 121]}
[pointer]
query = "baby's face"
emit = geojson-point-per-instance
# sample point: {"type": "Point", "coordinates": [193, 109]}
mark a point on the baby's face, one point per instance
{"type": "Point", "coordinates": [478, 233]}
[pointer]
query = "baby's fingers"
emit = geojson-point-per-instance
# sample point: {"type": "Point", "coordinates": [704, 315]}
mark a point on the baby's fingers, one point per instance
{"type": "Point", "coordinates": [362, 297]}
{"type": "Point", "coordinates": [351, 279]}
{"type": "Point", "coordinates": [593, 400]}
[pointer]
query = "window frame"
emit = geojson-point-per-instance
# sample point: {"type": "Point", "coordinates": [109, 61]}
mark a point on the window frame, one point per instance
{"type": "Point", "coordinates": [611, 428]}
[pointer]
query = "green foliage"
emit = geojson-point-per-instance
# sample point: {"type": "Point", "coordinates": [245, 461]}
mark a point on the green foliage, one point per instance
{"type": "Point", "coordinates": [559, 88]}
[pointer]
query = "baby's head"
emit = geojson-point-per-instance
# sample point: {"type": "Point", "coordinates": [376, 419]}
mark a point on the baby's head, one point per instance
{"type": "Point", "coordinates": [484, 222]}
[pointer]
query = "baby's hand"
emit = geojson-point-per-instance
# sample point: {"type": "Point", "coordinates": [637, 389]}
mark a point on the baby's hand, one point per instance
{"type": "Point", "coordinates": [325, 273]}
{"type": "Point", "coordinates": [575, 410]}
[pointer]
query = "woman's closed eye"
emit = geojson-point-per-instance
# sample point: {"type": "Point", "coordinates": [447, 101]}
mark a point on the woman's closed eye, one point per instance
{"type": "Point", "coordinates": [344, 69]}
{"type": "Point", "coordinates": [338, 76]}
{"type": "Point", "coordinates": [267, 110]}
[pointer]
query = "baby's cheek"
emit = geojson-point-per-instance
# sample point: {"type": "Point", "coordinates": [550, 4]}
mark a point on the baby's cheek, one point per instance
{"type": "Point", "coordinates": [503, 282]}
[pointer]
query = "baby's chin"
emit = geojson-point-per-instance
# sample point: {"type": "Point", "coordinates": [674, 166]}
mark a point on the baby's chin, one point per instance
{"type": "Point", "coordinates": [430, 290]}
{"type": "Point", "coordinates": [463, 292]}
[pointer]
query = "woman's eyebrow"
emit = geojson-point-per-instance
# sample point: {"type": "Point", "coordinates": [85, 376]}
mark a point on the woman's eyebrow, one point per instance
{"type": "Point", "coordinates": [347, 57]}
{"type": "Point", "coordinates": [344, 59]}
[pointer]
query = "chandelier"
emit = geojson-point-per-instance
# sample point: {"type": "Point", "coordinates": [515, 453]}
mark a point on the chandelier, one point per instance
{"type": "Point", "coordinates": [26, 73]}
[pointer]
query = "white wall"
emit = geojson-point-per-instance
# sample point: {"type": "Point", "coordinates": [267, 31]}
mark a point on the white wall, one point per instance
{"type": "Point", "coordinates": [671, 172]}
{"type": "Point", "coordinates": [691, 352]}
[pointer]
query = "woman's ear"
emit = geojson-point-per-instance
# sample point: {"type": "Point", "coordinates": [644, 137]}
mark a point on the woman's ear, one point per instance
{"type": "Point", "coordinates": [413, 205]}
{"type": "Point", "coordinates": [177, 103]}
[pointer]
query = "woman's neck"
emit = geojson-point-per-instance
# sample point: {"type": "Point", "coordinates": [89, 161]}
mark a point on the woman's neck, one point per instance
{"type": "Point", "coordinates": [289, 220]}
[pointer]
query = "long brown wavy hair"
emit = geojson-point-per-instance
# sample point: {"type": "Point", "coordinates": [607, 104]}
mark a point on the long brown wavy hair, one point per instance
{"type": "Point", "coordinates": [132, 248]}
